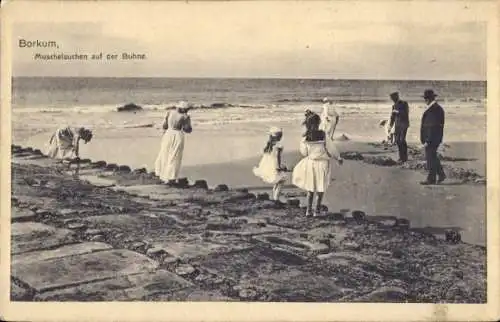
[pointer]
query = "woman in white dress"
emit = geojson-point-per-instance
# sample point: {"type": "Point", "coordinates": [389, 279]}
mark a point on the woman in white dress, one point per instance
{"type": "Point", "coordinates": [329, 121]}
{"type": "Point", "coordinates": [270, 168]}
{"type": "Point", "coordinates": [313, 173]}
{"type": "Point", "coordinates": [329, 118]}
{"type": "Point", "coordinates": [65, 142]}
{"type": "Point", "coordinates": [169, 160]}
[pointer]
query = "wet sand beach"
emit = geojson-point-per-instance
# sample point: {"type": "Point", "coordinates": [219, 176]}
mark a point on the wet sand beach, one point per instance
{"type": "Point", "coordinates": [388, 190]}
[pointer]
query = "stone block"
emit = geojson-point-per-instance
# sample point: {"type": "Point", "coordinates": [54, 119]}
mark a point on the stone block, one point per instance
{"type": "Point", "coordinates": [93, 232]}
{"type": "Point", "coordinates": [386, 294]}
{"type": "Point", "coordinates": [76, 225]}
{"type": "Point", "coordinates": [140, 171]}
{"type": "Point", "coordinates": [191, 295]}
{"type": "Point", "coordinates": [402, 223]}
{"type": "Point", "coordinates": [156, 252]}
{"type": "Point", "coordinates": [293, 202]}
{"type": "Point", "coordinates": [66, 212]}
{"type": "Point", "coordinates": [97, 181]}
{"type": "Point", "coordinates": [453, 236]}
{"type": "Point", "coordinates": [135, 287]}
{"type": "Point", "coordinates": [352, 246]}
{"type": "Point", "coordinates": [291, 285]}
{"type": "Point", "coordinates": [19, 293]}
{"type": "Point", "coordinates": [63, 251]}
{"type": "Point", "coordinates": [263, 196]}
{"type": "Point", "coordinates": [255, 229]}
{"type": "Point", "coordinates": [111, 167]}
{"type": "Point", "coordinates": [22, 214]}
{"type": "Point", "coordinates": [189, 249]}
{"type": "Point", "coordinates": [359, 216]}
{"type": "Point", "coordinates": [296, 246]}
{"type": "Point", "coordinates": [30, 236]}
{"type": "Point", "coordinates": [124, 169]}
{"type": "Point", "coordinates": [98, 164]}
{"type": "Point", "coordinates": [221, 188]}
{"type": "Point", "coordinates": [249, 261]}
{"type": "Point", "coordinates": [74, 270]}
{"type": "Point", "coordinates": [202, 184]}
{"type": "Point", "coordinates": [97, 238]}
{"type": "Point", "coordinates": [182, 183]}
{"type": "Point", "coordinates": [336, 216]}
{"type": "Point", "coordinates": [186, 271]}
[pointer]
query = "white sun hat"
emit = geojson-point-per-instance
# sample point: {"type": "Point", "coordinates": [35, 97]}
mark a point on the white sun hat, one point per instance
{"type": "Point", "coordinates": [183, 105]}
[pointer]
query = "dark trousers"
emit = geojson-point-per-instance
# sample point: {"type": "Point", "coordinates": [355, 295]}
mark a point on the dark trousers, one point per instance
{"type": "Point", "coordinates": [433, 163]}
{"type": "Point", "coordinates": [400, 138]}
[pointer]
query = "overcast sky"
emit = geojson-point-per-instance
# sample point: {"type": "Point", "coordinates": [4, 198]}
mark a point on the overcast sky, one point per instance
{"type": "Point", "coordinates": [399, 40]}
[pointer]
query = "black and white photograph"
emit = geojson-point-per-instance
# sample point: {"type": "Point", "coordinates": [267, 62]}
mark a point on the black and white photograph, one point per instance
{"type": "Point", "coordinates": [235, 152]}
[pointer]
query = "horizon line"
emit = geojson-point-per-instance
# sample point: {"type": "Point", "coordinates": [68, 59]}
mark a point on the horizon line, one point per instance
{"type": "Point", "coordinates": [264, 78]}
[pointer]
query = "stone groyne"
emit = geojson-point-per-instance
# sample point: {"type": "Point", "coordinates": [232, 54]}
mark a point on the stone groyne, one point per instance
{"type": "Point", "coordinates": [106, 232]}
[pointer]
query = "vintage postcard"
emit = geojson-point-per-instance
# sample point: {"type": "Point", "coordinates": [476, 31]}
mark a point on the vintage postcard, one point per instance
{"type": "Point", "coordinates": [250, 160]}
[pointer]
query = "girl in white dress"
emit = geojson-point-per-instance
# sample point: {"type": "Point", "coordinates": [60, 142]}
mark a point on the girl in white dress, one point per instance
{"type": "Point", "coordinates": [65, 142]}
{"type": "Point", "coordinates": [270, 169]}
{"type": "Point", "coordinates": [169, 160]}
{"type": "Point", "coordinates": [388, 131]}
{"type": "Point", "coordinates": [313, 173]}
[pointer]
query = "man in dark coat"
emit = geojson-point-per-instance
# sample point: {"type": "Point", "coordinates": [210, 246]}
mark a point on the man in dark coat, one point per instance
{"type": "Point", "coordinates": [431, 136]}
{"type": "Point", "coordinates": [400, 119]}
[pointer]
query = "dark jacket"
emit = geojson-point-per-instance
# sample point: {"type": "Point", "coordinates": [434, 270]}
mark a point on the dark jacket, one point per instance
{"type": "Point", "coordinates": [431, 129]}
{"type": "Point", "coordinates": [400, 114]}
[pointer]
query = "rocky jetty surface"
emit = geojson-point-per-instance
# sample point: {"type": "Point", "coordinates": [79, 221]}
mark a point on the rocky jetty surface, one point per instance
{"type": "Point", "coordinates": [105, 232]}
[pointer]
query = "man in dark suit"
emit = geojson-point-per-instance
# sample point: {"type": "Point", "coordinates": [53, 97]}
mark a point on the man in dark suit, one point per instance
{"type": "Point", "coordinates": [400, 119]}
{"type": "Point", "coordinates": [431, 136]}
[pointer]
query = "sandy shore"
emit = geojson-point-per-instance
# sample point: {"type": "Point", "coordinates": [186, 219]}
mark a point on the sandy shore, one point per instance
{"type": "Point", "coordinates": [389, 190]}
{"type": "Point", "coordinates": [226, 153]}
{"type": "Point", "coordinates": [119, 235]}
{"type": "Point", "coordinates": [219, 136]}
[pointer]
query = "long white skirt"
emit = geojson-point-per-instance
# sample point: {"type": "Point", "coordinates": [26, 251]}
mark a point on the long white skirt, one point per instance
{"type": "Point", "coordinates": [267, 170]}
{"type": "Point", "coordinates": [168, 162]}
{"type": "Point", "coordinates": [312, 175]}
{"type": "Point", "coordinates": [59, 149]}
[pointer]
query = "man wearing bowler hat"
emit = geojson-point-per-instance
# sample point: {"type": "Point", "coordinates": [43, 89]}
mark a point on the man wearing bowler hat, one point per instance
{"type": "Point", "coordinates": [401, 121]}
{"type": "Point", "coordinates": [431, 136]}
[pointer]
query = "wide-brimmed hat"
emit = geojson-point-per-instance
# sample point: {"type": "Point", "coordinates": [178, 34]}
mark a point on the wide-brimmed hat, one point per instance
{"type": "Point", "coordinates": [429, 93]}
{"type": "Point", "coordinates": [394, 94]}
{"type": "Point", "coordinates": [274, 130]}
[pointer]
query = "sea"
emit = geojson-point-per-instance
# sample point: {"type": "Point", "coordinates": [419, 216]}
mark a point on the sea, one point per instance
{"type": "Point", "coordinates": [99, 93]}
{"type": "Point", "coordinates": [39, 104]}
